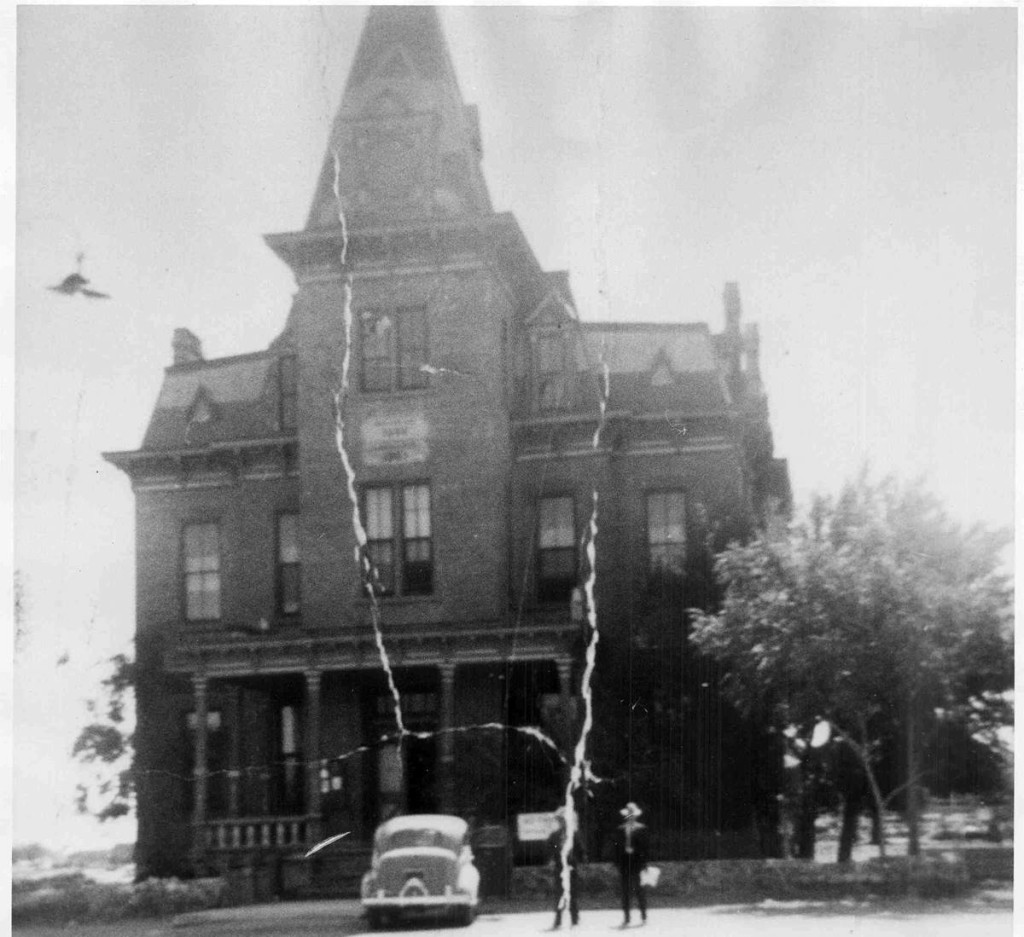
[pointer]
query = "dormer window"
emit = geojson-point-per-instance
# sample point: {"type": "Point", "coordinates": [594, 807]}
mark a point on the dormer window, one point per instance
{"type": "Point", "coordinates": [549, 364]}
{"type": "Point", "coordinates": [202, 412]}
{"type": "Point", "coordinates": [662, 374]}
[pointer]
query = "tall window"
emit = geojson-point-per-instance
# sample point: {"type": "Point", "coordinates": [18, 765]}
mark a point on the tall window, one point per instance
{"type": "Point", "coordinates": [289, 570]}
{"type": "Point", "coordinates": [666, 531]}
{"type": "Point", "coordinates": [556, 572]}
{"type": "Point", "coordinates": [393, 347]}
{"type": "Point", "coordinates": [380, 537]}
{"type": "Point", "coordinates": [216, 764]}
{"type": "Point", "coordinates": [417, 559]}
{"type": "Point", "coordinates": [399, 538]}
{"type": "Point", "coordinates": [202, 572]}
{"type": "Point", "coordinates": [289, 780]}
{"type": "Point", "coordinates": [412, 347]}
{"type": "Point", "coordinates": [287, 386]}
{"type": "Point", "coordinates": [550, 369]}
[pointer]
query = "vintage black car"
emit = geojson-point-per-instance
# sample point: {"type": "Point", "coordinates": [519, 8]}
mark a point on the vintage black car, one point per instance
{"type": "Point", "coordinates": [421, 863]}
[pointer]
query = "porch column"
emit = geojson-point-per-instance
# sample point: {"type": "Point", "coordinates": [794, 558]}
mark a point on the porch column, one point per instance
{"type": "Point", "coordinates": [235, 749]}
{"type": "Point", "coordinates": [564, 683]}
{"type": "Point", "coordinates": [565, 711]}
{"type": "Point", "coordinates": [447, 741]}
{"type": "Point", "coordinates": [199, 686]}
{"type": "Point", "coordinates": [313, 742]}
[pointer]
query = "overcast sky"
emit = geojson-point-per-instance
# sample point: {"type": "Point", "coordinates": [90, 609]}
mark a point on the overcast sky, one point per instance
{"type": "Point", "coordinates": [853, 170]}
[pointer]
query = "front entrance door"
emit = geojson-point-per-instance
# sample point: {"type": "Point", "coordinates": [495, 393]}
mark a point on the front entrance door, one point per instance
{"type": "Point", "coordinates": [390, 781]}
{"type": "Point", "coordinates": [403, 776]}
{"type": "Point", "coordinates": [421, 775]}
{"type": "Point", "coordinates": [335, 797]}
{"type": "Point", "coordinates": [407, 777]}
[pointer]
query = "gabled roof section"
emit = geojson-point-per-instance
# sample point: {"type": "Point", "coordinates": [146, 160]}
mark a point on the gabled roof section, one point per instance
{"type": "Point", "coordinates": [238, 394]}
{"type": "Point", "coordinates": [553, 310]}
{"type": "Point", "coordinates": [559, 280]}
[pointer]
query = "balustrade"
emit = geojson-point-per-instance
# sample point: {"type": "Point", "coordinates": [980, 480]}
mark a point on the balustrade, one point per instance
{"type": "Point", "coordinates": [260, 832]}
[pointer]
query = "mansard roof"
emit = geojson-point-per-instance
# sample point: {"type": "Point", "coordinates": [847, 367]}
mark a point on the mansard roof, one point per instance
{"type": "Point", "coordinates": [653, 368]}
{"type": "Point", "coordinates": [241, 394]}
{"type": "Point", "coordinates": [633, 347]}
{"type": "Point", "coordinates": [658, 367]}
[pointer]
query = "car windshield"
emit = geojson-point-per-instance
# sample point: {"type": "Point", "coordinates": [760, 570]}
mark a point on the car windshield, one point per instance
{"type": "Point", "coordinates": [417, 839]}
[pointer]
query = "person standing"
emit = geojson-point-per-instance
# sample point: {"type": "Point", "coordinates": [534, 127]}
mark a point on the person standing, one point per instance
{"type": "Point", "coordinates": [556, 844]}
{"type": "Point", "coordinates": [631, 850]}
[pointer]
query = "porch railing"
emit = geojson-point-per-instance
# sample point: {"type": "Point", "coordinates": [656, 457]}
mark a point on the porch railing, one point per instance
{"type": "Point", "coordinates": [244, 833]}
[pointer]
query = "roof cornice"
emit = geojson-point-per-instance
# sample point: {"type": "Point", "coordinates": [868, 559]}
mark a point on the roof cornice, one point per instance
{"type": "Point", "coordinates": [126, 458]}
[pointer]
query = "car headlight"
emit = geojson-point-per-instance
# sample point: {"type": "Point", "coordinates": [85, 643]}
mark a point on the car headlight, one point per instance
{"type": "Point", "coordinates": [469, 879]}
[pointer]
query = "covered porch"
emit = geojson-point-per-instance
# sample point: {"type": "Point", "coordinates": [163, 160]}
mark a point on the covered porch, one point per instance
{"type": "Point", "coordinates": [296, 740]}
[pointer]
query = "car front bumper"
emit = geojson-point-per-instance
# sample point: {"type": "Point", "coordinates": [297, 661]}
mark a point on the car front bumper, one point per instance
{"type": "Point", "coordinates": [419, 901]}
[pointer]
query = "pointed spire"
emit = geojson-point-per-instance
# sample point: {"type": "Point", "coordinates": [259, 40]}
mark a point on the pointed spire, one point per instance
{"type": "Point", "coordinates": [415, 30]}
{"type": "Point", "coordinates": [403, 145]}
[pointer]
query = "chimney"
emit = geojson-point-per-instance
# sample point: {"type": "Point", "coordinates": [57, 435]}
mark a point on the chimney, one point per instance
{"type": "Point", "coordinates": [752, 346]}
{"type": "Point", "coordinates": [733, 312]}
{"type": "Point", "coordinates": [186, 347]}
{"type": "Point", "coordinates": [731, 336]}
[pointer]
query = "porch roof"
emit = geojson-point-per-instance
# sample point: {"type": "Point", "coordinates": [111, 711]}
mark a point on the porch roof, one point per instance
{"type": "Point", "coordinates": [220, 655]}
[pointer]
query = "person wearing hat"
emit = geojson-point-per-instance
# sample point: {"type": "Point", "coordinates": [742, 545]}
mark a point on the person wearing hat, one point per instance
{"type": "Point", "coordinates": [631, 858]}
{"type": "Point", "coordinates": [556, 843]}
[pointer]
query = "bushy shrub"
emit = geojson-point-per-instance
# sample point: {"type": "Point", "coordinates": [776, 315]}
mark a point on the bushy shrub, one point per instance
{"type": "Point", "coordinates": [60, 882]}
{"type": "Point", "coordinates": [744, 880]}
{"type": "Point", "coordinates": [64, 899]}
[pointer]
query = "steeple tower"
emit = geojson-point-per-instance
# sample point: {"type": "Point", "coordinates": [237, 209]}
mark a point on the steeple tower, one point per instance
{"type": "Point", "coordinates": [404, 146]}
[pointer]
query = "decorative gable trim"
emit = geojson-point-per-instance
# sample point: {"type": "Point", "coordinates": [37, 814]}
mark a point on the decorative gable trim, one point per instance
{"type": "Point", "coordinates": [661, 370]}
{"type": "Point", "coordinates": [203, 409]}
{"type": "Point", "coordinates": [386, 104]}
{"type": "Point", "coordinates": [551, 311]}
{"type": "Point", "coordinates": [395, 65]}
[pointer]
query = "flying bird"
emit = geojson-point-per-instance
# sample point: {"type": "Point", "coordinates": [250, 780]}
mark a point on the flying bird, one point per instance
{"type": "Point", "coordinates": [76, 283]}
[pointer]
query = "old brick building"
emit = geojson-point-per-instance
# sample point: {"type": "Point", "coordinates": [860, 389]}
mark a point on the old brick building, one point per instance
{"type": "Point", "coordinates": [474, 398]}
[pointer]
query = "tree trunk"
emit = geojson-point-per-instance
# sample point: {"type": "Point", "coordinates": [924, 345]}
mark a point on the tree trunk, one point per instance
{"type": "Point", "coordinates": [861, 751]}
{"type": "Point", "coordinates": [766, 822]}
{"type": "Point", "coordinates": [848, 833]}
{"type": "Point", "coordinates": [805, 823]}
{"type": "Point", "coordinates": [876, 824]}
{"type": "Point", "coordinates": [913, 839]}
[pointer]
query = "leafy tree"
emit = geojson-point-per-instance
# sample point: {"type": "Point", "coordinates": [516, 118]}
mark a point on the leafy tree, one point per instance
{"type": "Point", "coordinates": [664, 736]}
{"type": "Point", "coordinates": [29, 852]}
{"type": "Point", "coordinates": [105, 745]}
{"type": "Point", "coordinates": [876, 615]}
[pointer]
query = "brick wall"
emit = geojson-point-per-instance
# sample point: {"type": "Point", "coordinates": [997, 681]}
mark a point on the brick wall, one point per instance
{"type": "Point", "coordinates": [466, 447]}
